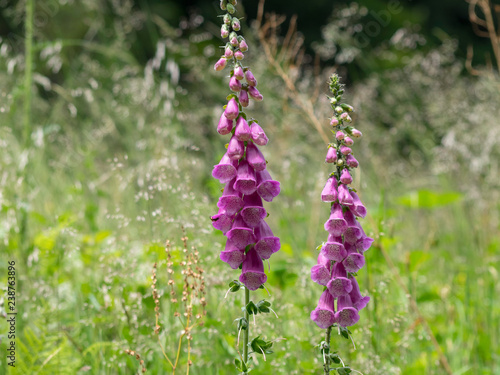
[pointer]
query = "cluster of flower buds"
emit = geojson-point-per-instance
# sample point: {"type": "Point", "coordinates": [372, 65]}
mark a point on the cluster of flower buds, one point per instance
{"type": "Point", "coordinates": [342, 255]}
{"type": "Point", "coordinates": [243, 168]}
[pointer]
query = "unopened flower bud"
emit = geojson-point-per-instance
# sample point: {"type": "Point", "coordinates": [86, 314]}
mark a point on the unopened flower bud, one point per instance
{"type": "Point", "coordinates": [244, 99]}
{"type": "Point", "coordinates": [254, 93]}
{"type": "Point", "coordinates": [239, 55]}
{"type": "Point", "coordinates": [344, 116]}
{"type": "Point", "coordinates": [230, 8]}
{"type": "Point", "coordinates": [334, 122]}
{"type": "Point", "coordinates": [250, 78]}
{"type": "Point", "coordinates": [340, 135]}
{"type": "Point", "coordinates": [333, 101]}
{"type": "Point", "coordinates": [235, 24]}
{"type": "Point", "coordinates": [340, 162]}
{"type": "Point", "coordinates": [356, 133]}
{"type": "Point", "coordinates": [258, 135]}
{"type": "Point", "coordinates": [348, 141]}
{"type": "Point", "coordinates": [339, 109]}
{"type": "Point", "coordinates": [223, 4]}
{"type": "Point", "coordinates": [228, 52]}
{"type": "Point", "coordinates": [234, 2]}
{"type": "Point", "coordinates": [351, 161]}
{"type": "Point", "coordinates": [232, 110]}
{"type": "Point", "coordinates": [220, 64]}
{"type": "Point", "coordinates": [227, 19]}
{"type": "Point", "coordinates": [233, 39]}
{"type": "Point", "coordinates": [238, 72]}
{"type": "Point", "coordinates": [234, 84]}
{"type": "Point", "coordinates": [331, 155]}
{"type": "Point", "coordinates": [345, 150]}
{"type": "Point", "coordinates": [345, 177]}
{"type": "Point", "coordinates": [243, 46]}
{"type": "Point", "coordinates": [224, 31]}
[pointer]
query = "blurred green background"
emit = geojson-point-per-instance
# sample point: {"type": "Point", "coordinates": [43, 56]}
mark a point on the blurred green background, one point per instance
{"type": "Point", "coordinates": [117, 151]}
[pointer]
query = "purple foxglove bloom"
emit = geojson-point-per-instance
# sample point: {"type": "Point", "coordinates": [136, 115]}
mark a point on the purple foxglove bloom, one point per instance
{"type": "Point", "coordinates": [255, 157]}
{"type": "Point", "coordinates": [235, 148]}
{"type": "Point", "coordinates": [324, 314]}
{"type": "Point", "coordinates": [222, 221]}
{"type": "Point", "coordinates": [254, 93]}
{"type": "Point", "coordinates": [230, 201]}
{"type": "Point", "coordinates": [246, 182]}
{"type": "Point", "coordinates": [267, 188]}
{"type": "Point", "coordinates": [228, 52]}
{"type": "Point", "coordinates": [234, 84]}
{"type": "Point", "coordinates": [225, 171]}
{"type": "Point", "coordinates": [348, 141]}
{"type": "Point", "coordinates": [329, 193]}
{"type": "Point", "coordinates": [358, 208]}
{"type": "Point", "coordinates": [244, 99]}
{"type": "Point", "coordinates": [339, 285]}
{"type": "Point", "coordinates": [364, 242]}
{"type": "Point", "coordinates": [252, 271]}
{"type": "Point", "coordinates": [354, 261]}
{"type": "Point", "coordinates": [344, 196]}
{"type": "Point", "coordinates": [331, 155]}
{"type": "Point", "coordinates": [253, 211]}
{"type": "Point", "coordinates": [334, 122]}
{"type": "Point", "coordinates": [336, 224]}
{"type": "Point", "coordinates": [356, 133]}
{"type": "Point", "coordinates": [225, 125]}
{"type": "Point", "coordinates": [334, 250]}
{"type": "Point", "coordinates": [243, 46]}
{"type": "Point", "coordinates": [220, 64]}
{"type": "Point", "coordinates": [242, 130]}
{"type": "Point", "coordinates": [232, 110]}
{"type": "Point", "coordinates": [267, 244]}
{"type": "Point", "coordinates": [358, 301]}
{"type": "Point", "coordinates": [345, 177]}
{"type": "Point", "coordinates": [238, 72]}
{"type": "Point", "coordinates": [346, 315]}
{"type": "Point", "coordinates": [340, 135]}
{"type": "Point", "coordinates": [321, 273]}
{"type": "Point", "coordinates": [240, 234]}
{"type": "Point", "coordinates": [258, 135]}
{"type": "Point", "coordinates": [232, 255]}
{"type": "Point", "coordinates": [250, 78]}
{"type": "Point", "coordinates": [239, 55]}
{"type": "Point", "coordinates": [351, 161]}
{"type": "Point", "coordinates": [352, 233]}
{"type": "Point", "coordinates": [345, 150]}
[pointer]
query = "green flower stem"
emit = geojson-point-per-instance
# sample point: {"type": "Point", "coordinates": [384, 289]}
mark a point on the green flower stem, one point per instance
{"type": "Point", "coordinates": [28, 70]}
{"type": "Point", "coordinates": [246, 331]}
{"type": "Point", "coordinates": [326, 366]}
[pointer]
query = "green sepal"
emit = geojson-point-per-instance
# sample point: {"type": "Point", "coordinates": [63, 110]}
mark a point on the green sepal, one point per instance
{"type": "Point", "coordinates": [335, 358]}
{"type": "Point", "coordinates": [234, 286]}
{"type": "Point", "coordinates": [345, 332]}
{"type": "Point", "coordinates": [264, 306]}
{"type": "Point", "coordinates": [229, 97]}
{"type": "Point", "coordinates": [242, 323]}
{"type": "Point", "coordinates": [343, 370]}
{"type": "Point", "coordinates": [250, 308]}
{"type": "Point", "coordinates": [259, 346]}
